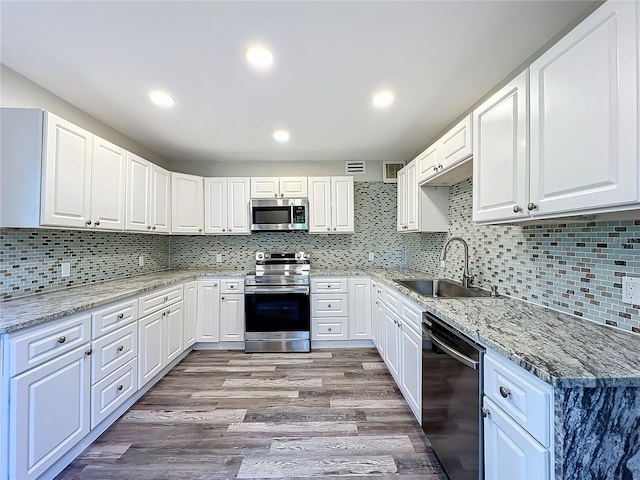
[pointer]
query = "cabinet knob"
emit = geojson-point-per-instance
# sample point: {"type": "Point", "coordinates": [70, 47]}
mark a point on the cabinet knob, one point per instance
{"type": "Point", "coordinates": [88, 222]}
{"type": "Point", "coordinates": [504, 392]}
{"type": "Point", "coordinates": [485, 412]}
{"type": "Point", "coordinates": [329, 229]}
{"type": "Point", "coordinates": [221, 298]}
{"type": "Point", "coordinates": [435, 169]}
{"type": "Point", "coordinates": [334, 229]}
{"type": "Point", "coordinates": [62, 339]}
{"type": "Point", "coordinates": [120, 316]}
{"type": "Point", "coordinates": [531, 206]}
{"type": "Point", "coordinates": [168, 312]}
{"type": "Point", "coordinates": [516, 209]}
{"type": "Point", "coordinates": [329, 306]}
{"type": "Point", "coordinates": [148, 227]}
{"type": "Point", "coordinates": [97, 223]}
{"type": "Point", "coordinates": [282, 194]}
{"type": "Point", "coordinates": [166, 298]}
{"type": "Point", "coordinates": [120, 348]}
{"type": "Point", "coordinates": [229, 229]}
{"type": "Point", "coordinates": [88, 352]}
{"type": "Point", "coordinates": [329, 286]}
{"type": "Point", "coordinates": [275, 194]}
{"type": "Point", "coordinates": [329, 329]}
{"type": "Point", "coordinates": [440, 167]}
{"type": "Point", "coordinates": [215, 284]}
{"type": "Point", "coordinates": [154, 227]}
{"type": "Point", "coordinates": [200, 230]}
{"type": "Point", "coordinates": [120, 387]}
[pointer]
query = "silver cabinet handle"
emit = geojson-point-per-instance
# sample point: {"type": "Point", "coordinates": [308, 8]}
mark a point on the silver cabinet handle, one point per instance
{"type": "Point", "coordinates": [485, 412]}
{"type": "Point", "coordinates": [200, 230]}
{"type": "Point", "coordinates": [154, 227]}
{"type": "Point", "coordinates": [329, 306]}
{"type": "Point", "coordinates": [531, 206]}
{"type": "Point", "coordinates": [97, 223]}
{"type": "Point", "coordinates": [62, 339]}
{"type": "Point", "coordinates": [221, 298]}
{"type": "Point", "coordinates": [275, 194]}
{"type": "Point", "coordinates": [282, 194]}
{"type": "Point", "coordinates": [166, 299]}
{"type": "Point", "coordinates": [329, 329]}
{"type": "Point", "coordinates": [120, 316]}
{"type": "Point", "coordinates": [215, 284]}
{"type": "Point", "coordinates": [168, 312]}
{"type": "Point", "coordinates": [224, 229]}
{"type": "Point", "coordinates": [88, 352]}
{"type": "Point", "coordinates": [148, 227]}
{"type": "Point", "coordinates": [120, 348]}
{"type": "Point", "coordinates": [435, 169]}
{"type": "Point", "coordinates": [120, 387]}
{"type": "Point", "coordinates": [516, 209]}
{"type": "Point", "coordinates": [229, 229]}
{"type": "Point", "coordinates": [504, 391]}
{"type": "Point", "coordinates": [329, 229]}
{"type": "Point", "coordinates": [334, 229]}
{"type": "Point", "coordinates": [88, 222]}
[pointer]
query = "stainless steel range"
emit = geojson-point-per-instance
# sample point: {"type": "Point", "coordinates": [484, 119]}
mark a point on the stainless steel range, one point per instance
{"type": "Point", "coordinates": [277, 317]}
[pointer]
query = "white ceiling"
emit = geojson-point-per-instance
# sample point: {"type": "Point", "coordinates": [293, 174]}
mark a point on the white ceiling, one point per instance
{"type": "Point", "coordinates": [439, 57]}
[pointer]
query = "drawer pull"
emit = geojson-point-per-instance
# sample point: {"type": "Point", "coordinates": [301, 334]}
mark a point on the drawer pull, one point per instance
{"type": "Point", "coordinates": [329, 306]}
{"type": "Point", "coordinates": [89, 352]}
{"type": "Point", "coordinates": [120, 387]}
{"type": "Point", "coordinates": [62, 339]}
{"type": "Point", "coordinates": [329, 286]}
{"type": "Point", "coordinates": [329, 329]}
{"type": "Point", "coordinates": [120, 348]}
{"type": "Point", "coordinates": [485, 412]}
{"type": "Point", "coordinates": [120, 316]}
{"type": "Point", "coordinates": [504, 392]}
{"type": "Point", "coordinates": [166, 299]}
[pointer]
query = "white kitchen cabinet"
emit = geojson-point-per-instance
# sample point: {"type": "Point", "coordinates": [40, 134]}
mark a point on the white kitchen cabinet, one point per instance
{"type": "Point", "coordinates": [359, 316]}
{"type": "Point", "coordinates": [108, 184]}
{"type": "Point", "coordinates": [231, 317]}
{"type": "Point", "coordinates": [509, 451]}
{"type": "Point", "coordinates": [208, 320]}
{"type": "Point", "coordinates": [160, 203]}
{"type": "Point", "coordinates": [427, 162]}
{"type": "Point", "coordinates": [392, 344]}
{"type": "Point", "coordinates": [190, 313]}
{"type": "Point", "coordinates": [456, 145]}
{"type": "Point", "coordinates": [408, 192]}
{"type": "Point", "coordinates": [329, 308]}
{"type": "Point", "coordinates": [187, 203]}
{"type": "Point", "coordinates": [411, 367]}
{"type": "Point", "coordinates": [49, 412]}
{"type": "Point", "coordinates": [112, 391]}
{"type": "Point", "coordinates": [420, 209]}
{"type": "Point", "coordinates": [150, 347]}
{"type": "Point", "coordinates": [227, 205]}
{"type": "Point", "coordinates": [373, 299]}
{"type": "Point", "coordinates": [500, 162]}
{"type": "Point", "coordinates": [284, 187]}
{"type": "Point", "coordinates": [138, 217]}
{"type": "Point", "coordinates": [584, 136]}
{"type": "Point", "coordinates": [331, 205]}
{"type": "Point", "coordinates": [173, 332]}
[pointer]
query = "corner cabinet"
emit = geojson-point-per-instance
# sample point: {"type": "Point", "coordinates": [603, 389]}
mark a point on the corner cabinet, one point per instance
{"type": "Point", "coordinates": [420, 208]}
{"type": "Point", "coordinates": [331, 205]}
{"type": "Point", "coordinates": [226, 206]}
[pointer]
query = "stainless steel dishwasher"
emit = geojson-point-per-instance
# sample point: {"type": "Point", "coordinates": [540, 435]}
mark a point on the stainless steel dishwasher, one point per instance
{"type": "Point", "coordinates": [451, 398]}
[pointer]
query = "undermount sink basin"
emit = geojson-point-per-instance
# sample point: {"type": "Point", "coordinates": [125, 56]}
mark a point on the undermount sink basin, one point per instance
{"type": "Point", "coordinates": [442, 288]}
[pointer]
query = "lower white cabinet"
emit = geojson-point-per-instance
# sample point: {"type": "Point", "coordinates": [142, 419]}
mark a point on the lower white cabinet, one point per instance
{"type": "Point", "coordinates": [411, 367]}
{"type": "Point", "coordinates": [231, 317]}
{"type": "Point", "coordinates": [208, 311]}
{"type": "Point", "coordinates": [373, 306]}
{"type": "Point", "coordinates": [329, 308]}
{"type": "Point", "coordinates": [112, 391]}
{"type": "Point", "coordinates": [359, 317]}
{"type": "Point", "coordinates": [49, 412]}
{"type": "Point", "coordinates": [172, 333]}
{"type": "Point", "coordinates": [391, 343]}
{"type": "Point", "coordinates": [509, 451]}
{"type": "Point", "coordinates": [150, 351]}
{"type": "Point", "coordinates": [190, 313]}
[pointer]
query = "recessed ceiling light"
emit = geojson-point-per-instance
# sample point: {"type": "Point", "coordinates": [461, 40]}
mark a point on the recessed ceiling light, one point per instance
{"type": "Point", "coordinates": [383, 99]}
{"type": "Point", "coordinates": [281, 136]}
{"type": "Point", "coordinates": [259, 57]}
{"type": "Point", "coordinates": [161, 98]}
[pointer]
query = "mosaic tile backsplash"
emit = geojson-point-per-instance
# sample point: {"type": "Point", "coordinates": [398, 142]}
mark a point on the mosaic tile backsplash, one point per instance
{"type": "Point", "coordinates": [575, 267]}
{"type": "Point", "coordinates": [30, 259]}
{"type": "Point", "coordinates": [375, 231]}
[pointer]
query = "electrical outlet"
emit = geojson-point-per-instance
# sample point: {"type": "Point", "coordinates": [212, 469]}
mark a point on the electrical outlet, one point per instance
{"type": "Point", "coordinates": [141, 261]}
{"type": "Point", "coordinates": [218, 257]}
{"type": "Point", "coordinates": [371, 257]}
{"type": "Point", "coordinates": [631, 290]}
{"type": "Point", "coordinates": [65, 269]}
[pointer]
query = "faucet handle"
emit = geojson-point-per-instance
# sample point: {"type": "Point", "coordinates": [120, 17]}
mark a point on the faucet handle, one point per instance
{"type": "Point", "coordinates": [494, 291]}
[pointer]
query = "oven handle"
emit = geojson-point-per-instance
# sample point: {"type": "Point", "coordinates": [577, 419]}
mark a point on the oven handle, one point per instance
{"type": "Point", "coordinates": [469, 362]}
{"type": "Point", "coordinates": [253, 290]}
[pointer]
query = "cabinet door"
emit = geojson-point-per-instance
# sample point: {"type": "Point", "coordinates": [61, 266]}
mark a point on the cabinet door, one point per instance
{"type": "Point", "coordinates": [456, 144]}
{"type": "Point", "coordinates": [412, 191]}
{"type": "Point", "coordinates": [584, 151]}
{"type": "Point", "coordinates": [138, 193]}
{"type": "Point", "coordinates": [231, 318]}
{"type": "Point", "coordinates": [108, 182]}
{"type": "Point", "coordinates": [49, 413]}
{"type": "Point", "coordinates": [190, 313]}
{"type": "Point", "coordinates": [265, 187]}
{"type": "Point", "coordinates": [428, 161]}
{"type": "Point", "coordinates": [392, 343]}
{"type": "Point", "coordinates": [319, 204]}
{"type": "Point", "coordinates": [238, 197]}
{"type": "Point", "coordinates": [402, 200]}
{"type": "Point", "coordinates": [381, 329]}
{"type": "Point", "coordinates": [150, 347]}
{"type": "Point", "coordinates": [208, 311]}
{"type": "Point", "coordinates": [293, 187]}
{"type": "Point", "coordinates": [373, 299]}
{"type": "Point", "coordinates": [411, 368]}
{"type": "Point", "coordinates": [160, 200]}
{"type": "Point", "coordinates": [509, 451]}
{"type": "Point", "coordinates": [359, 309]}
{"type": "Point", "coordinates": [66, 173]}
{"type": "Point", "coordinates": [215, 205]}
{"type": "Point", "coordinates": [173, 332]}
{"type": "Point", "coordinates": [342, 204]}
{"type": "Point", "coordinates": [187, 203]}
{"type": "Point", "coordinates": [500, 166]}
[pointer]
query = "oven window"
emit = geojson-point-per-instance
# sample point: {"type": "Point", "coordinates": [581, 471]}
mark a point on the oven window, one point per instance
{"type": "Point", "coordinates": [285, 312]}
{"type": "Point", "coordinates": [271, 215]}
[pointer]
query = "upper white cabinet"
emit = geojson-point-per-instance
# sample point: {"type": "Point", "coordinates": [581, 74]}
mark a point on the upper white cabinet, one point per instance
{"type": "Point", "coordinates": [271, 187]}
{"type": "Point", "coordinates": [160, 200]}
{"type": "Point", "coordinates": [331, 205]}
{"type": "Point", "coordinates": [500, 162]}
{"type": "Point", "coordinates": [187, 204]}
{"type": "Point", "coordinates": [583, 140]}
{"type": "Point", "coordinates": [420, 209]}
{"type": "Point", "coordinates": [138, 193]}
{"type": "Point", "coordinates": [226, 205]}
{"type": "Point", "coordinates": [108, 176]}
{"type": "Point", "coordinates": [408, 191]}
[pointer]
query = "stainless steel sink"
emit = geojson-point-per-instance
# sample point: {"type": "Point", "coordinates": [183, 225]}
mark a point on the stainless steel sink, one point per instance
{"type": "Point", "coordinates": [442, 288]}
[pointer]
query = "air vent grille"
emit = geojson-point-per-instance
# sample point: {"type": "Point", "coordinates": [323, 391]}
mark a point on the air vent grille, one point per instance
{"type": "Point", "coordinates": [352, 167]}
{"type": "Point", "coordinates": [390, 171]}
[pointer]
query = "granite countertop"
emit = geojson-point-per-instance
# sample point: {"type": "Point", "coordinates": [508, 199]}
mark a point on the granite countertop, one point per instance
{"type": "Point", "coordinates": [563, 350]}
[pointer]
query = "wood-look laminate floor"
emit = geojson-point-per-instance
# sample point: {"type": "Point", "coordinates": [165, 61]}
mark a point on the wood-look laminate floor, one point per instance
{"type": "Point", "coordinates": [328, 413]}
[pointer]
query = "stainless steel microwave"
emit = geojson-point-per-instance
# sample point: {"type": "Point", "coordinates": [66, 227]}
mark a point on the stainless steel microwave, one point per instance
{"type": "Point", "coordinates": [279, 214]}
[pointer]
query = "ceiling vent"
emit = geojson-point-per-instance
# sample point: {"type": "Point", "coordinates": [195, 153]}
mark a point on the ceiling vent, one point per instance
{"type": "Point", "coordinates": [352, 167]}
{"type": "Point", "coordinates": [390, 171]}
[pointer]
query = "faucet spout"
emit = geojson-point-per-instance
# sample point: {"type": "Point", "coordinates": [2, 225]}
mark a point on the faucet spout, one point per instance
{"type": "Point", "coordinates": [467, 278]}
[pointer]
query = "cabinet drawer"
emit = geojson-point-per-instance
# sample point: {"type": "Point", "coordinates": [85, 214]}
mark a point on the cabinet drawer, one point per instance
{"type": "Point", "coordinates": [111, 392]}
{"type": "Point", "coordinates": [329, 305]}
{"type": "Point", "coordinates": [154, 301]}
{"type": "Point", "coordinates": [328, 285]}
{"type": "Point", "coordinates": [112, 351]}
{"type": "Point", "coordinates": [522, 396]}
{"type": "Point", "coordinates": [111, 318]}
{"type": "Point", "coordinates": [411, 314]}
{"type": "Point", "coordinates": [232, 285]}
{"type": "Point", "coordinates": [37, 345]}
{"type": "Point", "coordinates": [333, 329]}
{"type": "Point", "coordinates": [392, 300]}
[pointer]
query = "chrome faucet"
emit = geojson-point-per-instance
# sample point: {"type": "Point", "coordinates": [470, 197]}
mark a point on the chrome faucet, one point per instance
{"type": "Point", "coordinates": [467, 278]}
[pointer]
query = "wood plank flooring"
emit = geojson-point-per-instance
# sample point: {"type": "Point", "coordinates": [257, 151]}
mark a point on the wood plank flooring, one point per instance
{"type": "Point", "coordinates": [328, 413]}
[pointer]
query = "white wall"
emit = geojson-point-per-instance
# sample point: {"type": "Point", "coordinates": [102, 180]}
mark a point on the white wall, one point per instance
{"type": "Point", "coordinates": [18, 91]}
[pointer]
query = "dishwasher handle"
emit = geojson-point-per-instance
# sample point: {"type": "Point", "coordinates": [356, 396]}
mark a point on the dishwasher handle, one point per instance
{"type": "Point", "coordinates": [469, 362]}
